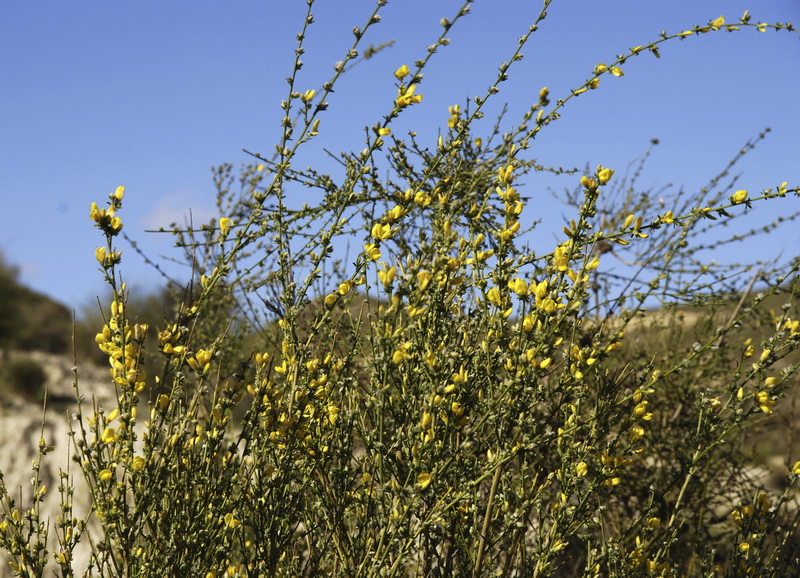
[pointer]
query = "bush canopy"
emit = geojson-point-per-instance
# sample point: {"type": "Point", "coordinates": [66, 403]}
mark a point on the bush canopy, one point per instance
{"type": "Point", "coordinates": [448, 401]}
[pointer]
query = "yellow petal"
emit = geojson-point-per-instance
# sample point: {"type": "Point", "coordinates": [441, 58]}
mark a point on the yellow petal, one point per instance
{"type": "Point", "coordinates": [424, 480]}
{"type": "Point", "coordinates": [738, 197]}
{"type": "Point", "coordinates": [109, 435]}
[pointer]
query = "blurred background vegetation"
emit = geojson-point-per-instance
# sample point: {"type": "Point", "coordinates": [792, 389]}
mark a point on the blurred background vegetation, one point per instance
{"type": "Point", "coordinates": [29, 320]}
{"type": "Point", "coordinates": [33, 322]}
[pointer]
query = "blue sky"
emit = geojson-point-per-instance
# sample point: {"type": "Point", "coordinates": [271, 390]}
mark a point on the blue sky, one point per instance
{"type": "Point", "coordinates": [151, 94]}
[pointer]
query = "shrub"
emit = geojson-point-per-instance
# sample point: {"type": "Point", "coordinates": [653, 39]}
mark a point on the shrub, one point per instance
{"type": "Point", "coordinates": [24, 377]}
{"type": "Point", "coordinates": [450, 402]}
{"type": "Point", "coordinates": [29, 320]}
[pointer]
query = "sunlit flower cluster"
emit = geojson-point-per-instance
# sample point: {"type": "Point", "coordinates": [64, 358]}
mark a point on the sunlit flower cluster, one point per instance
{"type": "Point", "coordinates": [123, 344]}
{"type": "Point", "coordinates": [106, 219]}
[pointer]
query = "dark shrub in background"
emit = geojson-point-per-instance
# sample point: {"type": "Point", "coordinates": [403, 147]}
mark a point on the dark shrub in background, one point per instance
{"type": "Point", "coordinates": [23, 377]}
{"type": "Point", "coordinates": [29, 320]}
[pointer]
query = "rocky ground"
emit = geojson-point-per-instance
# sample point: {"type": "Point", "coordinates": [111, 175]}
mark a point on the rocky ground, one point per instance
{"type": "Point", "coordinates": [24, 421]}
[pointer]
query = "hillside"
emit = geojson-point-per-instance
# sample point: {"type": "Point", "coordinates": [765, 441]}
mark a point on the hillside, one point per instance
{"type": "Point", "coordinates": [29, 320]}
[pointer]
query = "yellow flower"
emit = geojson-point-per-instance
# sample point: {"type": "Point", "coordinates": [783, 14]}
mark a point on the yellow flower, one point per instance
{"type": "Point", "coordinates": [544, 93]}
{"type": "Point", "coordinates": [738, 197]}
{"type": "Point", "coordinates": [109, 435]}
{"type": "Point", "coordinates": [793, 325]}
{"type": "Point", "coordinates": [426, 420]}
{"type": "Point", "coordinates": [106, 475]}
{"type": "Point", "coordinates": [396, 213]}
{"type": "Point", "coordinates": [406, 96]}
{"type": "Point", "coordinates": [117, 195]}
{"type": "Point", "coordinates": [560, 258]}
{"type": "Point", "coordinates": [115, 225]}
{"type": "Point", "coordinates": [138, 464]}
{"type": "Point", "coordinates": [628, 221]}
{"type": "Point", "coordinates": [504, 173]}
{"type": "Point", "coordinates": [455, 112]}
{"type": "Point", "coordinates": [201, 361]}
{"type": "Point", "coordinates": [796, 469]}
{"type": "Point", "coordinates": [528, 323]}
{"type": "Point", "coordinates": [424, 279]}
{"type": "Point", "coordinates": [162, 402]}
{"type": "Point", "coordinates": [381, 232]}
{"type": "Point", "coordinates": [508, 232]}
{"type": "Point", "coordinates": [95, 213]}
{"type": "Point", "coordinates": [588, 183]}
{"type": "Point", "coordinates": [764, 402]}
{"type": "Point", "coordinates": [333, 414]}
{"type": "Point", "coordinates": [718, 22]}
{"type": "Point", "coordinates": [224, 225]}
{"type": "Point", "coordinates": [424, 480]}
{"type": "Point", "coordinates": [604, 175]}
{"type": "Point", "coordinates": [401, 72]}
{"type": "Point", "coordinates": [372, 252]}
{"type": "Point", "coordinates": [231, 522]}
{"type": "Point", "coordinates": [283, 368]}
{"type": "Point", "coordinates": [308, 96]}
{"type": "Point", "coordinates": [581, 469]}
{"type": "Point", "coordinates": [401, 354]}
{"type": "Point", "coordinates": [518, 286]}
{"type": "Point", "coordinates": [494, 296]}
{"type": "Point", "coordinates": [547, 305]}
{"type": "Point", "coordinates": [386, 276]}
{"type": "Point", "coordinates": [421, 198]}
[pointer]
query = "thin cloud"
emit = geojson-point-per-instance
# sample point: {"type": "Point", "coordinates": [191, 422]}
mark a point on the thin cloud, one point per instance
{"type": "Point", "coordinates": [180, 207]}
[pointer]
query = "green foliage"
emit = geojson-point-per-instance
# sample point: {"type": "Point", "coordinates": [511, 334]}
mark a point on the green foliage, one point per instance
{"type": "Point", "coordinates": [154, 309]}
{"type": "Point", "coordinates": [24, 377]}
{"type": "Point", "coordinates": [449, 402]}
{"type": "Point", "coordinates": [29, 320]}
